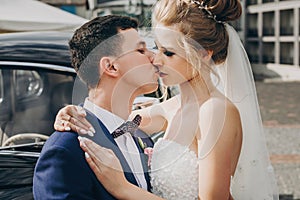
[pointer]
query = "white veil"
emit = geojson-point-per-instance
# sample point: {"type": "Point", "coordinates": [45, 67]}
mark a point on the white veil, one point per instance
{"type": "Point", "coordinates": [254, 176]}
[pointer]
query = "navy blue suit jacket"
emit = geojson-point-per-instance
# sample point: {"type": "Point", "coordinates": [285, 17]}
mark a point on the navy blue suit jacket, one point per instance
{"type": "Point", "coordinates": [63, 173]}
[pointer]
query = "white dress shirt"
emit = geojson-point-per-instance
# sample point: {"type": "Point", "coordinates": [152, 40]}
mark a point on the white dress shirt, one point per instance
{"type": "Point", "coordinates": [125, 142]}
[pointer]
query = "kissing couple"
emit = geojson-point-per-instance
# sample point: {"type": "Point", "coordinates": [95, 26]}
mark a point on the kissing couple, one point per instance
{"type": "Point", "coordinates": [213, 146]}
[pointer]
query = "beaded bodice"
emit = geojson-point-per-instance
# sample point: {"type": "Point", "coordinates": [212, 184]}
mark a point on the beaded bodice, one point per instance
{"type": "Point", "coordinates": [174, 171]}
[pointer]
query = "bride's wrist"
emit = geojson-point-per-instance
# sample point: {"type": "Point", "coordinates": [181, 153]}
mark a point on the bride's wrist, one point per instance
{"type": "Point", "coordinates": [123, 193]}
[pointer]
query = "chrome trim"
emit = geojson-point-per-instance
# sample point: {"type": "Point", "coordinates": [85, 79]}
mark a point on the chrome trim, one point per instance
{"type": "Point", "coordinates": [39, 65]}
{"type": "Point", "coordinates": [19, 153]}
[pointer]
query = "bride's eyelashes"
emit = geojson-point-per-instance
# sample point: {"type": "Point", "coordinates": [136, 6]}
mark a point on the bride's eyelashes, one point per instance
{"type": "Point", "coordinates": [168, 53]}
{"type": "Point", "coordinates": [164, 51]}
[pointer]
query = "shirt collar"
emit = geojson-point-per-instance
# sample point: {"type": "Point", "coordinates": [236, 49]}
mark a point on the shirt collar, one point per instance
{"type": "Point", "coordinates": [110, 120]}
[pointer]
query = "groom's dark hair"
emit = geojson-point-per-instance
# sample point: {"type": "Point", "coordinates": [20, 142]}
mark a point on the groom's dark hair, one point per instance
{"type": "Point", "coordinates": [95, 39]}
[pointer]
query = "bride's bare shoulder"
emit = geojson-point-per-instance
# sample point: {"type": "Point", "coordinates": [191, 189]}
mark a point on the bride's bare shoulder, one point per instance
{"type": "Point", "coordinates": [218, 113]}
{"type": "Point", "coordinates": [218, 105]}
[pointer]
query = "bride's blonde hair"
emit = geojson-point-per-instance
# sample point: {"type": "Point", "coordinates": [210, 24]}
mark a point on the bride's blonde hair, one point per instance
{"type": "Point", "coordinates": [202, 25]}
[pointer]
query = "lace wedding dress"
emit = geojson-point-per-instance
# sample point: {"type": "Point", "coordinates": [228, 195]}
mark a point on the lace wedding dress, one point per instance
{"type": "Point", "coordinates": [174, 171]}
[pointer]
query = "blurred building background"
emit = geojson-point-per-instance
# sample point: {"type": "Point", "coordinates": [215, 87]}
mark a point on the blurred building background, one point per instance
{"type": "Point", "coordinates": [273, 31]}
{"type": "Point", "coordinates": [272, 35]}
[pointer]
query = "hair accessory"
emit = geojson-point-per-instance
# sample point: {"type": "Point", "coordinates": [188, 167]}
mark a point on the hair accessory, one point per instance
{"type": "Point", "coordinates": [201, 5]}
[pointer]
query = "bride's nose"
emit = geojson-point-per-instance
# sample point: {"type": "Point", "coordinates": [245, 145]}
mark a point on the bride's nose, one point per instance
{"type": "Point", "coordinates": [158, 60]}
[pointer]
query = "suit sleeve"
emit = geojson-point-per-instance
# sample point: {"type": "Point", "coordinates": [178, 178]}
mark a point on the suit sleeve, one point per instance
{"type": "Point", "coordinates": [59, 174]}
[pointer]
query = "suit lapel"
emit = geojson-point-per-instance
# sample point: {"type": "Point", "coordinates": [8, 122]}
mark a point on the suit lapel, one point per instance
{"type": "Point", "coordinates": [144, 160]}
{"type": "Point", "coordinates": [141, 151]}
{"type": "Point", "coordinates": [105, 139]}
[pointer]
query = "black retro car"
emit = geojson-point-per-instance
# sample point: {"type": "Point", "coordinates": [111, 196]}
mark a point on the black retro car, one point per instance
{"type": "Point", "coordinates": [36, 80]}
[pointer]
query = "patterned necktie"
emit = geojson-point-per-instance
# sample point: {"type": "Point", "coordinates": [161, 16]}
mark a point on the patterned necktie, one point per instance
{"type": "Point", "coordinates": [128, 126]}
{"type": "Point", "coordinates": [129, 148]}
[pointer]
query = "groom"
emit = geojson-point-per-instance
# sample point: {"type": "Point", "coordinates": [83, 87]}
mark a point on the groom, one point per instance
{"type": "Point", "coordinates": [110, 57]}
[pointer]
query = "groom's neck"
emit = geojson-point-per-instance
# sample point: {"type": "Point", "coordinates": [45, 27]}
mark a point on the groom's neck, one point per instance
{"type": "Point", "coordinates": [118, 102]}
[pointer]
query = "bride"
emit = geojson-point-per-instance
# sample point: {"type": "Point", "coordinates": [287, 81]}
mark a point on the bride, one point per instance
{"type": "Point", "coordinates": [213, 147]}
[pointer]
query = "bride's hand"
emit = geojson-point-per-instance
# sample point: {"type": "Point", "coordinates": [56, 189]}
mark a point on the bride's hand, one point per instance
{"type": "Point", "coordinates": [106, 167]}
{"type": "Point", "coordinates": [73, 118]}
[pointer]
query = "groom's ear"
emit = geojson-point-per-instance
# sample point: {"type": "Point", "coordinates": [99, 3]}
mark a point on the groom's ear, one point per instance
{"type": "Point", "coordinates": [106, 67]}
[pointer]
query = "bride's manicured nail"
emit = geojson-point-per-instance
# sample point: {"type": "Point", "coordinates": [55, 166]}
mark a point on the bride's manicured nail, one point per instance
{"type": "Point", "coordinates": [90, 133]}
{"type": "Point", "coordinates": [81, 140]}
{"type": "Point", "coordinates": [67, 128]}
{"type": "Point", "coordinates": [86, 155]}
{"type": "Point", "coordinates": [81, 111]}
{"type": "Point", "coordinates": [92, 129]}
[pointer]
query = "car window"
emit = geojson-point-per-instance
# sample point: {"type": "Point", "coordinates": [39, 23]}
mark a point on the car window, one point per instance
{"type": "Point", "coordinates": [32, 98]}
{"type": "Point", "coordinates": [28, 84]}
{"type": "Point", "coordinates": [40, 92]}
